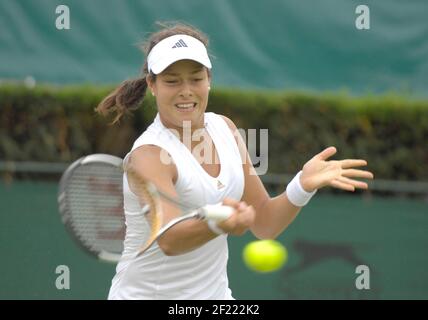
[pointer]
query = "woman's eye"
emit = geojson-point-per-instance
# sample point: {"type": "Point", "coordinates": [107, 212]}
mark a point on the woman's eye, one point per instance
{"type": "Point", "coordinates": [198, 79]}
{"type": "Point", "coordinates": [171, 81]}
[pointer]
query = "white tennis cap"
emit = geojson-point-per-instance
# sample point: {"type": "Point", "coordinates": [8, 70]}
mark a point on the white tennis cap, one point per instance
{"type": "Point", "coordinates": [175, 48]}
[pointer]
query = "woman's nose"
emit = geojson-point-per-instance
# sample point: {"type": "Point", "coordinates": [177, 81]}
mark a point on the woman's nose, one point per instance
{"type": "Point", "coordinates": [186, 91]}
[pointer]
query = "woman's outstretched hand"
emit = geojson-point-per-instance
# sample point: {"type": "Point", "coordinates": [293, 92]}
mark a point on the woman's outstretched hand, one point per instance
{"type": "Point", "coordinates": [320, 172]}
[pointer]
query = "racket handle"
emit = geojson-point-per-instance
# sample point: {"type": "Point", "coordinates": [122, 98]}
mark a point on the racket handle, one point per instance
{"type": "Point", "coordinates": [217, 212]}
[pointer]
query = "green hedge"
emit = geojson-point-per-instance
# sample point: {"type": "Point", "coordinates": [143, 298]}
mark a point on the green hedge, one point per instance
{"type": "Point", "coordinates": [391, 132]}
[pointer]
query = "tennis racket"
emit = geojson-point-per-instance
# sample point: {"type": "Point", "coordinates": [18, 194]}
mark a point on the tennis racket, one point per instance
{"type": "Point", "coordinates": [90, 200]}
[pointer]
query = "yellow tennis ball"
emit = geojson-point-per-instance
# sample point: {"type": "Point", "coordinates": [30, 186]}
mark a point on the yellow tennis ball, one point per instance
{"type": "Point", "coordinates": [265, 255]}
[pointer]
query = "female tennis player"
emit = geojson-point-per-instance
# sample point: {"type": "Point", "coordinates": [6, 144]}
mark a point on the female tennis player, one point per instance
{"type": "Point", "coordinates": [197, 157]}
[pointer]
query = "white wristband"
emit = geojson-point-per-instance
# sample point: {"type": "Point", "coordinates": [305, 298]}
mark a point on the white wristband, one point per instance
{"type": "Point", "coordinates": [296, 194]}
{"type": "Point", "coordinates": [214, 227]}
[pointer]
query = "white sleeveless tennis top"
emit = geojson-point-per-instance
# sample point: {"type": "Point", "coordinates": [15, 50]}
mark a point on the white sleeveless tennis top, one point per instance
{"type": "Point", "coordinates": [201, 273]}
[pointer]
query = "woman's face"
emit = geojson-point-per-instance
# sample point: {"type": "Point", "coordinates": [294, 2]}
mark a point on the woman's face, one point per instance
{"type": "Point", "coordinates": [181, 92]}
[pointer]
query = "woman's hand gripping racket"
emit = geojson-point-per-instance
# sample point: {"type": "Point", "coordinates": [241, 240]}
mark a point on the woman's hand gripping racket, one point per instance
{"type": "Point", "coordinates": [90, 202]}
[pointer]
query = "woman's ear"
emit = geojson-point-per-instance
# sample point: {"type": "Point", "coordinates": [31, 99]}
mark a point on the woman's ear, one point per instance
{"type": "Point", "coordinates": [150, 85]}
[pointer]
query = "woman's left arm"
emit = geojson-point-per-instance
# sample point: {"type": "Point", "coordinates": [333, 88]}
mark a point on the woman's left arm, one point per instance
{"type": "Point", "coordinates": [274, 215]}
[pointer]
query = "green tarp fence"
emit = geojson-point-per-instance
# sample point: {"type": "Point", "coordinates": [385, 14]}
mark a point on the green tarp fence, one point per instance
{"type": "Point", "coordinates": [279, 44]}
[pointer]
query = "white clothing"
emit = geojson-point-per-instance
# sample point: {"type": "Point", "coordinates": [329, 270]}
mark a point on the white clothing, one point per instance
{"type": "Point", "coordinates": [201, 273]}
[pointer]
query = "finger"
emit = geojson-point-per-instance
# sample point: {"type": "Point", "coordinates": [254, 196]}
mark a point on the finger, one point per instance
{"type": "Point", "coordinates": [341, 185]}
{"type": "Point", "coordinates": [349, 163]}
{"type": "Point", "coordinates": [247, 217]}
{"type": "Point", "coordinates": [231, 202]}
{"type": "Point", "coordinates": [228, 224]}
{"type": "Point", "coordinates": [355, 183]}
{"type": "Point", "coordinates": [242, 206]}
{"type": "Point", "coordinates": [326, 153]}
{"type": "Point", "coordinates": [355, 173]}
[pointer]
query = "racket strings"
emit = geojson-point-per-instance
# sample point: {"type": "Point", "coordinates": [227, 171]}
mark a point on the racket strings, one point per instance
{"type": "Point", "coordinates": [95, 206]}
{"type": "Point", "coordinates": [91, 204]}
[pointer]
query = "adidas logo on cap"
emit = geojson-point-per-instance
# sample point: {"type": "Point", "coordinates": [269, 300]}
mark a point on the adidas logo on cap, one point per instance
{"type": "Point", "coordinates": [180, 44]}
{"type": "Point", "coordinates": [164, 54]}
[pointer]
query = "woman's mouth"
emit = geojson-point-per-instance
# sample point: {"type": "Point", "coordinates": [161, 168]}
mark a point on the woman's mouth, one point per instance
{"type": "Point", "coordinates": [185, 107]}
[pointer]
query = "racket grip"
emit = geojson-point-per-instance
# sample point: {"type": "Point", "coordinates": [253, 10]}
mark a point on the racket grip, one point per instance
{"type": "Point", "coordinates": [217, 212]}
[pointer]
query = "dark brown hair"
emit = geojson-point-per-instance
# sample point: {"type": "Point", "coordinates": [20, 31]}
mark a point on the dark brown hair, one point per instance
{"type": "Point", "coordinates": [129, 95]}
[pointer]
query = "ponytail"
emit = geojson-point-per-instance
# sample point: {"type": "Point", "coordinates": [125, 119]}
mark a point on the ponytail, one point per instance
{"type": "Point", "coordinates": [124, 98]}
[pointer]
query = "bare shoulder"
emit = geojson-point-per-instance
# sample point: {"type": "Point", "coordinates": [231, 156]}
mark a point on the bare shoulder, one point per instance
{"type": "Point", "coordinates": [233, 129]}
{"type": "Point", "coordinates": [152, 162]}
{"type": "Point", "coordinates": [229, 122]}
{"type": "Point", "coordinates": [239, 141]}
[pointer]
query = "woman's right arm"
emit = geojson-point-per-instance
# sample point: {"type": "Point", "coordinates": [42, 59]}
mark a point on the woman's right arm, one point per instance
{"type": "Point", "coordinates": [190, 234]}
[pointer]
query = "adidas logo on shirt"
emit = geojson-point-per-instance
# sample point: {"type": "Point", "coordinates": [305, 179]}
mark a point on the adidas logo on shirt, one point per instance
{"type": "Point", "coordinates": [220, 185]}
{"type": "Point", "coordinates": [180, 44]}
